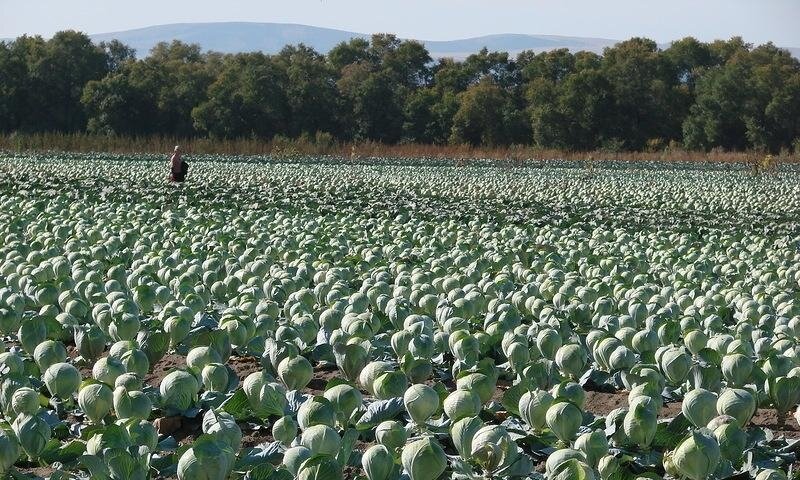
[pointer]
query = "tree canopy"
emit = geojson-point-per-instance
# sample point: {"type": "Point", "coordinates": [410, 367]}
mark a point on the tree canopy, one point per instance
{"type": "Point", "coordinates": [725, 94]}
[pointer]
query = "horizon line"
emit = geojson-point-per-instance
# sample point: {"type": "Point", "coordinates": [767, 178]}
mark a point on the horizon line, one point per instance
{"type": "Point", "coordinates": [4, 38]}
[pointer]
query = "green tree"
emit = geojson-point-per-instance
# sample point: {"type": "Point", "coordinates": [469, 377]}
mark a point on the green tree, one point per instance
{"type": "Point", "coordinates": [451, 76]}
{"type": "Point", "coordinates": [554, 66]}
{"type": "Point", "coordinates": [246, 100]}
{"type": "Point", "coordinates": [310, 89]}
{"type": "Point", "coordinates": [13, 87]}
{"type": "Point", "coordinates": [716, 118]}
{"type": "Point", "coordinates": [774, 106]}
{"type": "Point", "coordinates": [571, 115]}
{"type": "Point", "coordinates": [480, 119]}
{"type": "Point", "coordinates": [57, 73]}
{"type": "Point", "coordinates": [688, 59]}
{"type": "Point", "coordinates": [117, 107]}
{"type": "Point", "coordinates": [428, 115]}
{"type": "Point", "coordinates": [724, 50]}
{"type": "Point", "coordinates": [495, 65]}
{"type": "Point", "coordinates": [117, 54]}
{"type": "Point", "coordinates": [752, 101]}
{"type": "Point", "coordinates": [405, 61]}
{"type": "Point", "coordinates": [372, 99]}
{"type": "Point", "coordinates": [348, 53]}
{"type": "Point", "coordinates": [177, 72]}
{"type": "Point", "coordinates": [644, 93]}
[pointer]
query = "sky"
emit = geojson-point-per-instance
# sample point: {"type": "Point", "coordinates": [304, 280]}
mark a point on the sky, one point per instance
{"type": "Point", "coordinates": [758, 21]}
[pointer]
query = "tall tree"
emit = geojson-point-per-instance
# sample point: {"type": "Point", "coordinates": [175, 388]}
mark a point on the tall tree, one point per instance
{"type": "Point", "coordinates": [181, 79]}
{"type": "Point", "coordinates": [13, 87]}
{"type": "Point", "coordinates": [554, 65]}
{"type": "Point", "coordinates": [571, 115]}
{"type": "Point", "coordinates": [115, 106]}
{"type": "Point", "coordinates": [428, 115]}
{"type": "Point", "coordinates": [246, 100]}
{"type": "Point", "coordinates": [310, 90]}
{"type": "Point", "coordinates": [480, 119]}
{"type": "Point", "coordinates": [644, 93]}
{"type": "Point", "coordinates": [348, 53]}
{"type": "Point", "coordinates": [376, 113]}
{"type": "Point", "coordinates": [117, 54]}
{"type": "Point", "coordinates": [58, 71]}
{"type": "Point", "coordinates": [751, 101]}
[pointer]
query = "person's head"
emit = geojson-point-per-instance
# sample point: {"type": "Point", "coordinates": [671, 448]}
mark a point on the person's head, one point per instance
{"type": "Point", "coordinates": [177, 148]}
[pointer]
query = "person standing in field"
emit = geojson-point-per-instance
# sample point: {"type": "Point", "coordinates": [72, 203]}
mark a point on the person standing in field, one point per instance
{"type": "Point", "coordinates": [178, 166]}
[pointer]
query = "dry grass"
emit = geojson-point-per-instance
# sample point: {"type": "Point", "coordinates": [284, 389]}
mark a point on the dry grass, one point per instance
{"type": "Point", "coordinates": [324, 145]}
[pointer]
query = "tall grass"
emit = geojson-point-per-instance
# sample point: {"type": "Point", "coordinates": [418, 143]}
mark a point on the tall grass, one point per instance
{"type": "Point", "coordinates": [323, 144]}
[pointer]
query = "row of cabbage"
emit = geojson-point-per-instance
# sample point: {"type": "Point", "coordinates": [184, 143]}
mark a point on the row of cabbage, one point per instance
{"type": "Point", "coordinates": [465, 312]}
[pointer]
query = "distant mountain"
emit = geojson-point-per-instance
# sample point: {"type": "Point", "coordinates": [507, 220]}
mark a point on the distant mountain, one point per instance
{"type": "Point", "coordinates": [236, 37]}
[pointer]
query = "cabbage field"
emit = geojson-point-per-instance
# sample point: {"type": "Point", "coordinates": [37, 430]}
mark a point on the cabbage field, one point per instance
{"type": "Point", "coordinates": [388, 319]}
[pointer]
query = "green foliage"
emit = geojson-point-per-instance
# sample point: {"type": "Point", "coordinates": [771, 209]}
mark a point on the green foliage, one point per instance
{"type": "Point", "coordinates": [635, 96]}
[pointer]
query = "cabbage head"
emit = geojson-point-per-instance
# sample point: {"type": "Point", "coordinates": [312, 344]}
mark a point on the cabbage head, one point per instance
{"type": "Point", "coordinates": [179, 390]}
{"type": "Point", "coordinates": [207, 459]}
{"type": "Point", "coordinates": [697, 456]}
{"type": "Point", "coordinates": [424, 459]}
{"type": "Point", "coordinates": [96, 400]}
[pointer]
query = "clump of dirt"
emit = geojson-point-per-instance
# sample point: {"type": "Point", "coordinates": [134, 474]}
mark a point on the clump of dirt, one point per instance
{"type": "Point", "coordinates": [252, 438]}
{"type": "Point", "coordinates": [244, 366]}
{"type": "Point", "coordinates": [37, 472]}
{"type": "Point", "coordinates": [160, 369]}
{"type": "Point", "coordinates": [349, 471]}
{"type": "Point", "coordinates": [502, 386]}
{"type": "Point", "coordinates": [85, 369]}
{"type": "Point", "coordinates": [168, 425]}
{"type": "Point", "coordinates": [768, 418]}
{"type": "Point", "coordinates": [322, 375]}
{"type": "Point", "coordinates": [189, 430]}
{"type": "Point", "coordinates": [600, 403]}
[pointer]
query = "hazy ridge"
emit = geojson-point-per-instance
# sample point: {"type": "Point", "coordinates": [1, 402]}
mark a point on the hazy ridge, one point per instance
{"type": "Point", "coordinates": [233, 37]}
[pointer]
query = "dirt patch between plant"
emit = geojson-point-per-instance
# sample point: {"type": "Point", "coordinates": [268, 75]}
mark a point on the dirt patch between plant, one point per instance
{"type": "Point", "coordinates": [244, 366]}
{"type": "Point", "coordinates": [85, 369]}
{"type": "Point", "coordinates": [37, 472]}
{"type": "Point", "coordinates": [600, 403]}
{"type": "Point", "coordinates": [252, 438]}
{"type": "Point", "coordinates": [162, 368]}
{"type": "Point", "coordinates": [323, 375]}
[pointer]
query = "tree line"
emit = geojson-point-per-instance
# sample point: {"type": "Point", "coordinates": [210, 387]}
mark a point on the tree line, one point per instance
{"type": "Point", "coordinates": [635, 96]}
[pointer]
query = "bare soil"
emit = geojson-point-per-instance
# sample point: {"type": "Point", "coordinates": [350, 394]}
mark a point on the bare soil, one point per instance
{"type": "Point", "coordinates": [323, 375]}
{"type": "Point", "coordinates": [255, 437]}
{"type": "Point", "coordinates": [244, 366]}
{"type": "Point", "coordinates": [600, 403]}
{"type": "Point", "coordinates": [37, 472]}
{"type": "Point", "coordinates": [162, 368]}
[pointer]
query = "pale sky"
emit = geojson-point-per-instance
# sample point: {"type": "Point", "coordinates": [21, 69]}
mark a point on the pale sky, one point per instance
{"type": "Point", "coordinates": [757, 21]}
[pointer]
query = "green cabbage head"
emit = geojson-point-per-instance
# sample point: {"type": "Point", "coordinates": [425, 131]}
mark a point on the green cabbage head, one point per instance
{"type": "Point", "coordinates": [424, 459]}
{"type": "Point", "coordinates": [378, 463]}
{"type": "Point", "coordinates": [62, 380]}
{"type": "Point", "coordinates": [207, 459]}
{"type": "Point", "coordinates": [179, 390]}
{"type": "Point", "coordinates": [699, 406]}
{"type": "Point", "coordinates": [421, 402]}
{"type": "Point", "coordinates": [737, 403]}
{"type": "Point", "coordinates": [564, 419]}
{"type": "Point", "coordinates": [697, 456]}
{"type": "Point", "coordinates": [33, 434]}
{"type": "Point", "coordinates": [96, 400]}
